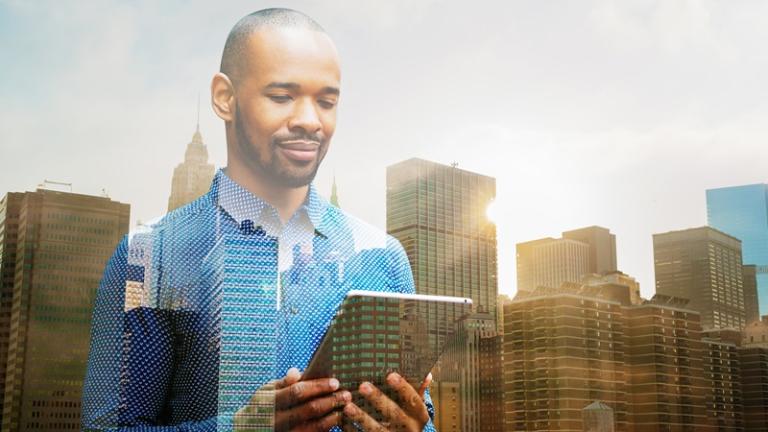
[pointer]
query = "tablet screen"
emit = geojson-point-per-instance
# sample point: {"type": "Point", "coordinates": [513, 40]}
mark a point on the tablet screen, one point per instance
{"type": "Point", "coordinates": [376, 333]}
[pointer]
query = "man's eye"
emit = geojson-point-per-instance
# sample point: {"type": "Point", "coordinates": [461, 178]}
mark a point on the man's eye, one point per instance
{"type": "Point", "coordinates": [327, 104]}
{"type": "Point", "coordinates": [280, 98]}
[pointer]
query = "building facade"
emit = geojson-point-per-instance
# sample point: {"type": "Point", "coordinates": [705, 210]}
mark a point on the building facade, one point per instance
{"type": "Point", "coordinates": [9, 229]}
{"type": "Point", "coordinates": [665, 358]}
{"type": "Point", "coordinates": [725, 409]}
{"type": "Point", "coordinates": [751, 306]}
{"type": "Point", "coordinates": [742, 211]}
{"type": "Point", "coordinates": [753, 358]}
{"type": "Point", "coordinates": [63, 243]}
{"type": "Point", "coordinates": [563, 350]}
{"type": "Point", "coordinates": [703, 265]}
{"type": "Point", "coordinates": [439, 215]}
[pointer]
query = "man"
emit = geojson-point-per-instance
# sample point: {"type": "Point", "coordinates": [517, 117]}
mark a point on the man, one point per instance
{"type": "Point", "coordinates": [204, 319]}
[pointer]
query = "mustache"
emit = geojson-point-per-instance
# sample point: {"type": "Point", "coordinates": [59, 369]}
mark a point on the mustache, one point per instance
{"type": "Point", "coordinates": [298, 136]}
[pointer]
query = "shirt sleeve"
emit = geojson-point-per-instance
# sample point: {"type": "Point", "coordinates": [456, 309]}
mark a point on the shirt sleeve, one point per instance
{"type": "Point", "coordinates": [130, 360]}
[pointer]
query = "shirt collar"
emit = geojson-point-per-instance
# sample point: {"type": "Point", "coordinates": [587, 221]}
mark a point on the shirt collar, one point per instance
{"type": "Point", "coordinates": [241, 205]}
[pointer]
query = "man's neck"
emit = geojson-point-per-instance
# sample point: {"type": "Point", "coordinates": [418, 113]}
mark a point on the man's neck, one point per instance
{"type": "Point", "coordinates": [285, 200]}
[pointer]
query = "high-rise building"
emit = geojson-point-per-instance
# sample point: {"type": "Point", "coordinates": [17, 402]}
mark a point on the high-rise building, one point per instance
{"type": "Point", "coordinates": [753, 357]}
{"type": "Point", "coordinates": [191, 178]}
{"type": "Point", "coordinates": [566, 348]}
{"type": "Point", "coordinates": [491, 385]}
{"type": "Point", "coordinates": [471, 359]}
{"type": "Point", "coordinates": [742, 211]}
{"type": "Point", "coordinates": [9, 228]}
{"type": "Point", "coordinates": [751, 306]}
{"type": "Point", "coordinates": [722, 367]}
{"type": "Point", "coordinates": [665, 356]}
{"type": "Point", "coordinates": [62, 245]}
{"type": "Point", "coordinates": [602, 247]}
{"type": "Point", "coordinates": [549, 262]}
{"type": "Point", "coordinates": [563, 350]}
{"type": "Point", "coordinates": [703, 265]}
{"type": "Point", "coordinates": [439, 215]}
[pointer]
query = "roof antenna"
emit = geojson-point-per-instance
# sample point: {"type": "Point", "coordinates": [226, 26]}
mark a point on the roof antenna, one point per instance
{"type": "Point", "coordinates": [198, 111]}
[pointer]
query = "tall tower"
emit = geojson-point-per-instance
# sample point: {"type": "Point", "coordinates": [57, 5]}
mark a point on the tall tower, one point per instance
{"type": "Point", "coordinates": [191, 178]}
{"type": "Point", "coordinates": [438, 213]}
{"type": "Point", "coordinates": [742, 211]}
{"type": "Point", "coordinates": [704, 266]}
{"type": "Point", "coordinates": [62, 245]}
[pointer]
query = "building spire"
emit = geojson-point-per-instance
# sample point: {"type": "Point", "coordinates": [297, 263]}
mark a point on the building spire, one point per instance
{"type": "Point", "coordinates": [334, 195]}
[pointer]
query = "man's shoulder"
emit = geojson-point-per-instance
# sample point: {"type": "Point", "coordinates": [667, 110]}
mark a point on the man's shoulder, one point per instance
{"type": "Point", "coordinates": [180, 226]}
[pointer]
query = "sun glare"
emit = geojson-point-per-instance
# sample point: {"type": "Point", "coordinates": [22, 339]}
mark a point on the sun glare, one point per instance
{"type": "Point", "coordinates": [492, 212]}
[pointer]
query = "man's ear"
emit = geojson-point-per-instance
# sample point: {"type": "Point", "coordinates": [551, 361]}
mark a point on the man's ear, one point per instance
{"type": "Point", "coordinates": [223, 97]}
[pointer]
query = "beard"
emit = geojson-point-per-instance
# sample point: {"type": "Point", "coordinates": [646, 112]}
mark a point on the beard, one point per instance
{"type": "Point", "coordinates": [269, 162]}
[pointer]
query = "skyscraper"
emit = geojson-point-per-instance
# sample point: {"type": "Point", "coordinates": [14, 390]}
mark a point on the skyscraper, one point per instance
{"type": "Point", "coordinates": [753, 358]}
{"type": "Point", "coordinates": [665, 366]}
{"type": "Point", "coordinates": [62, 245]}
{"type": "Point", "coordinates": [191, 178]}
{"type": "Point", "coordinates": [602, 247]}
{"type": "Point", "coordinates": [704, 266]}
{"type": "Point", "coordinates": [721, 360]}
{"type": "Point", "coordinates": [751, 306]}
{"type": "Point", "coordinates": [742, 211]}
{"type": "Point", "coordinates": [9, 228]}
{"type": "Point", "coordinates": [438, 213]}
{"type": "Point", "coordinates": [549, 262]}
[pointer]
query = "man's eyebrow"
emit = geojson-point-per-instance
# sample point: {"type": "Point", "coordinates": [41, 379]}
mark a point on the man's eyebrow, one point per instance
{"type": "Point", "coordinates": [283, 85]}
{"type": "Point", "coordinates": [295, 86]}
{"type": "Point", "coordinates": [331, 90]}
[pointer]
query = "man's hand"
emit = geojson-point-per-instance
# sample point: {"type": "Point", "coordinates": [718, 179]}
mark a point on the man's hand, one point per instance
{"type": "Point", "coordinates": [299, 405]}
{"type": "Point", "coordinates": [411, 415]}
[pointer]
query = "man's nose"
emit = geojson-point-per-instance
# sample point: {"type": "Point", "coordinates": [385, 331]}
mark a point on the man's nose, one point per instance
{"type": "Point", "coordinates": [305, 117]}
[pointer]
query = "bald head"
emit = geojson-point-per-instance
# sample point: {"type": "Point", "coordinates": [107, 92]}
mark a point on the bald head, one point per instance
{"type": "Point", "coordinates": [234, 61]}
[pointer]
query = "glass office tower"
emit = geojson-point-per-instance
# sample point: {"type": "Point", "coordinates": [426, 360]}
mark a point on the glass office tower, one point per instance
{"type": "Point", "coordinates": [742, 211]}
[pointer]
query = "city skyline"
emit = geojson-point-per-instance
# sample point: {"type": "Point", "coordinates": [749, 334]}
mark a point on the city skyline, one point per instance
{"type": "Point", "coordinates": [628, 136]}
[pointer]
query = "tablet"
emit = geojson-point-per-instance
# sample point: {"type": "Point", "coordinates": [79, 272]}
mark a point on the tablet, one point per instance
{"type": "Point", "coordinates": [374, 333]}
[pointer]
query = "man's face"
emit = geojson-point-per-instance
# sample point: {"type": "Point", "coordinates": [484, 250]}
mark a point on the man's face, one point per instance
{"type": "Point", "coordinates": [286, 103]}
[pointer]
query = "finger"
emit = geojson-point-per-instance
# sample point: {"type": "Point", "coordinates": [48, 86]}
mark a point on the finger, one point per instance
{"type": "Point", "coordinates": [312, 410]}
{"type": "Point", "coordinates": [425, 385]}
{"type": "Point", "coordinates": [386, 406]}
{"type": "Point", "coordinates": [354, 413]}
{"type": "Point", "coordinates": [301, 391]}
{"type": "Point", "coordinates": [292, 376]}
{"type": "Point", "coordinates": [323, 424]}
{"type": "Point", "coordinates": [410, 400]}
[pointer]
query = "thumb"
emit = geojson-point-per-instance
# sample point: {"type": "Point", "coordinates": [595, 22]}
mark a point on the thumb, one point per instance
{"type": "Point", "coordinates": [425, 384]}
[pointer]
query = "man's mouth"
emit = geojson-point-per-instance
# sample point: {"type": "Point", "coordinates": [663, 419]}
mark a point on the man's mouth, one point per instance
{"type": "Point", "coordinates": [299, 150]}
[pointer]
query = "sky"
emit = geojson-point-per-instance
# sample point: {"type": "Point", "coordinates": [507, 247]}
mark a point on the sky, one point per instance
{"type": "Point", "coordinates": [612, 113]}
